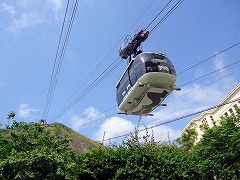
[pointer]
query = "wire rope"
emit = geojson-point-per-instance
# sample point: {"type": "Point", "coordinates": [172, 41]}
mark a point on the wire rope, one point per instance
{"type": "Point", "coordinates": [218, 71]}
{"type": "Point", "coordinates": [236, 44]}
{"type": "Point", "coordinates": [213, 72]}
{"type": "Point", "coordinates": [204, 85]}
{"type": "Point", "coordinates": [175, 119]}
{"type": "Point", "coordinates": [158, 15]}
{"type": "Point", "coordinates": [166, 16]}
{"type": "Point", "coordinates": [111, 52]}
{"type": "Point", "coordinates": [67, 35]}
{"type": "Point", "coordinates": [194, 89]}
{"type": "Point", "coordinates": [49, 94]}
{"type": "Point", "coordinates": [90, 87]}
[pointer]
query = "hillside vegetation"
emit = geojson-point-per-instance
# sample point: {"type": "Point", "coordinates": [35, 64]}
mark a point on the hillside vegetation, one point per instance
{"type": "Point", "coordinates": [32, 151]}
{"type": "Point", "coordinates": [79, 143]}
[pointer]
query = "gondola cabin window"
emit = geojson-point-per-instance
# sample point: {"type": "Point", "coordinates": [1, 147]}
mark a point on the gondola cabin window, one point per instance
{"type": "Point", "coordinates": [123, 87]}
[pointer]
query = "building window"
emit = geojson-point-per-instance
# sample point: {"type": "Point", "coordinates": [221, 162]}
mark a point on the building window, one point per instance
{"type": "Point", "coordinates": [226, 114]}
{"type": "Point", "coordinates": [231, 111]}
{"type": "Point", "coordinates": [204, 121]}
{"type": "Point", "coordinates": [212, 119]}
{"type": "Point", "coordinates": [235, 106]}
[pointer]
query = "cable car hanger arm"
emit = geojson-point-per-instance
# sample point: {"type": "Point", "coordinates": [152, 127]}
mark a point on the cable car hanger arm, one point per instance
{"type": "Point", "coordinates": [132, 46]}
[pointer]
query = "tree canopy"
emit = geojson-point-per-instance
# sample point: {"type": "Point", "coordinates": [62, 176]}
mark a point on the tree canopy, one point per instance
{"type": "Point", "coordinates": [30, 151]}
{"type": "Point", "coordinates": [33, 151]}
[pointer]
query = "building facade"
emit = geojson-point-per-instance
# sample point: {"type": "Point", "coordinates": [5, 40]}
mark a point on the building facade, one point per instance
{"type": "Point", "coordinates": [213, 117]}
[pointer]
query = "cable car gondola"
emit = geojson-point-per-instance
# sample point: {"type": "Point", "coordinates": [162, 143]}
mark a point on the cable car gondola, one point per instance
{"type": "Point", "coordinates": [148, 79]}
{"type": "Point", "coordinates": [146, 82]}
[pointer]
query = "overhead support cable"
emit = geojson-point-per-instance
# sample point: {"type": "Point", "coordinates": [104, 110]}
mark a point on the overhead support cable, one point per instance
{"type": "Point", "coordinates": [166, 16]}
{"type": "Point", "coordinates": [59, 58]}
{"type": "Point", "coordinates": [87, 90]}
{"type": "Point", "coordinates": [158, 15]}
{"type": "Point", "coordinates": [209, 58]}
{"type": "Point", "coordinates": [213, 72]}
{"type": "Point", "coordinates": [52, 80]}
{"type": "Point", "coordinates": [102, 75]}
{"type": "Point", "coordinates": [175, 119]}
{"type": "Point", "coordinates": [210, 83]}
{"type": "Point", "coordinates": [204, 85]}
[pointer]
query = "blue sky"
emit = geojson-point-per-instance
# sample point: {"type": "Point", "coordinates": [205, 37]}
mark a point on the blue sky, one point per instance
{"type": "Point", "coordinates": [29, 35]}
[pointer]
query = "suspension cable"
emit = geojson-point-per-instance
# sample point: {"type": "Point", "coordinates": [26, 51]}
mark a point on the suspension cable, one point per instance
{"type": "Point", "coordinates": [176, 119]}
{"type": "Point", "coordinates": [209, 58]}
{"type": "Point", "coordinates": [103, 75]}
{"type": "Point", "coordinates": [50, 88]}
{"type": "Point", "coordinates": [166, 15]}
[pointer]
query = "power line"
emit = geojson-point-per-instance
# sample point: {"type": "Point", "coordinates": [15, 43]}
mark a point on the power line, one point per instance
{"type": "Point", "coordinates": [98, 119]}
{"type": "Point", "coordinates": [198, 88]}
{"type": "Point", "coordinates": [97, 80]}
{"type": "Point", "coordinates": [197, 79]}
{"type": "Point", "coordinates": [107, 56]}
{"type": "Point", "coordinates": [50, 89]}
{"type": "Point", "coordinates": [56, 70]}
{"type": "Point", "coordinates": [87, 90]}
{"type": "Point", "coordinates": [176, 119]}
{"type": "Point", "coordinates": [158, 15]}
{"type": "Point", "coordinates": [100, 78]}
{"type": "Point", "coordinates": [209, 58]}
{"type": "Point", "coordinates": [204, 85]}
{"type": "Point", "coordinates": [154, 29]}
{"type": "Point", "coordinates": [166, 15]}
{"type": "Point", "coordinates": [218, 70]}
{"type": "Point", "coordinates": [193, 81]}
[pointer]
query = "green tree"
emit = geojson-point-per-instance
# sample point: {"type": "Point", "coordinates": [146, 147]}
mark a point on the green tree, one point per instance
{"type": "Point", "coordinates": [139, 158]}
{"type": "Point", "coordinates": [33, 152]}
{"type": "Point", "coordinates": [11, 115]}
{"type": "Point", "coordinates": [218, 152]}
{"type": "Point", "coordinates": [188, 138]}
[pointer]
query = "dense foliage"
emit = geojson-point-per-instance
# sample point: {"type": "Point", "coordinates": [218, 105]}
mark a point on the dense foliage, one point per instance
{"type": "Point", "coordinates": [29, 151]}
{"type": "Point", "coordinates": [32, 151]}
{"type": "Point", "coordinates": [134, 159]}
{"type": "Point", "coordinates": [218, 152]}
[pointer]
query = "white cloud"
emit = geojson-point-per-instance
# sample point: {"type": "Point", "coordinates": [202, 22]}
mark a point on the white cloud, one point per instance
{"type": "Point", "coordinates": [8, 8]}
{"type": "Point", "coordinates": [26, 3]}
{"type": "Point", "coordinates": [32, 13]}
{"type": "Point", "coordinates": [165, 133]}
{"type": "Point", "coordinates": [77, 121]}
{"type": "Point", "coordinates": [56, 5]}
{"type": "Point", "coordinates": [161, 133]}
{"type": "Point", "coordinates": [93, 113]}
{"type": "Point", "coordinates": [199, 98]}
{"type": "Point", "coordinates": [219, 61]}
{"type": "Point", "coordinates": [116, 126]}
{"type": "Point", "coordinates": [26, 111]}
{"type": "Point", "coordinates": [113, 127]}
{"type": "Point", "coordinates": [25, 21]}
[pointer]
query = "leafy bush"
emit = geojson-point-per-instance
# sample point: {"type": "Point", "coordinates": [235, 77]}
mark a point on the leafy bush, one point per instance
{"type": "Point", "coordinates": [218, 153]}
{"type": "Point", "coordinates": [31, 151]}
